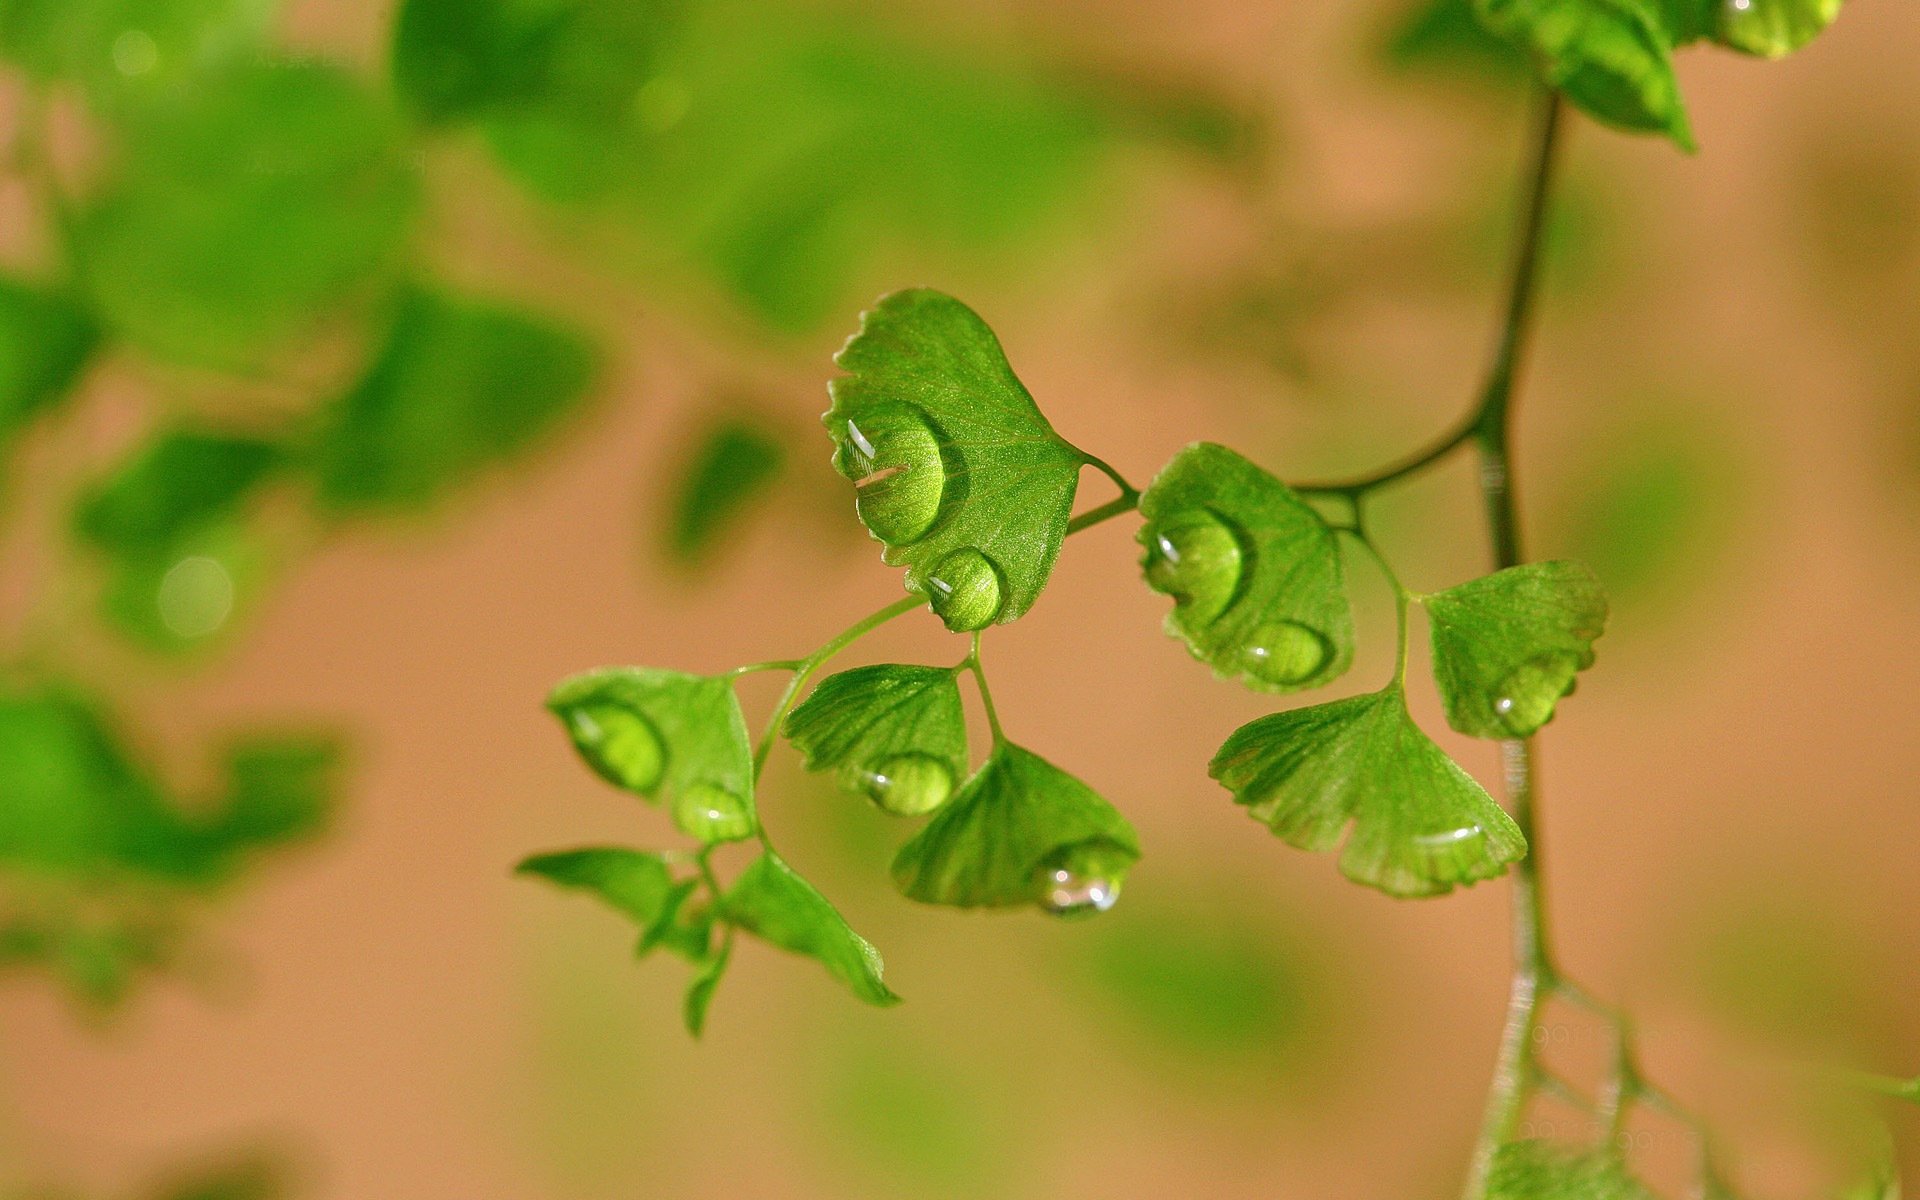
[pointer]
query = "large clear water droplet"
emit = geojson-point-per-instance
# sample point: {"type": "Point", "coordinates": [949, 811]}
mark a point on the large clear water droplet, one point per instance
{"type": "Point", "coordinates": [711, 814]}
{"type": "Point", "coordinates": [1524, 700]}
{"type": "Point", "coordinates": [621, 745]}
{"type": "Point", "coordinates": [1286, 653]}
{"type": "Point", "coordinates": [908, 785]}
{"type": "Point", "coordinates": [1773, 28]}
{"type": "Point", "coordinates": [893, 456]}
{"type": "Point", "coordinates": [1084, 879]}
{"type": "Point", "coordinates": [966, 590]}
{"type": "Point", "coordinates": [1195, 558]}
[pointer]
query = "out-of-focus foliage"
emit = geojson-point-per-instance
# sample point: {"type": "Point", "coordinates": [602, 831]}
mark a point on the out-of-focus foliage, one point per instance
{"type": "Point", "coordinates": [733, 466]}
{"type": "Point", "coordinates": [46, 338]}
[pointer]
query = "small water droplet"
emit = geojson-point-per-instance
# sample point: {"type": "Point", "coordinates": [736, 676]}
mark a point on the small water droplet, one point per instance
{"type": "Point", "coordinates": [621, 745]}
{"type": "Point", "coordinates": [966, 590]}
{"type": "Point", "coordinates": [1449, 837]}
{"type": "Point", "coordinates": [195, 597]}
{"type": "Point", "coordinates": [1286, 653]}
{"type": "Point", "coordinates": [1524, 700]}
{"type": "Point", "coordinates": [1083, 880]}
{"type": "Point", "coordinates": [908, 785]}
{"type": "Point", "coordinates": [1194, 557]}
{"type": "Point", "coordinates": [711, 814]}
{"type": "Point", "coordinates": [1771, 28]}
{"type": "Point", "coordinates": [135, 53]}
{"type": "Point", "coordinates": [893, 456]}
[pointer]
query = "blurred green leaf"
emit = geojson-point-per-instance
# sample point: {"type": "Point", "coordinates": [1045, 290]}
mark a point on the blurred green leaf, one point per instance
{"type": "Point", "coordinates": [1538, 1170]}
{"type": "Point", "coordinates": [1254, 571]}
{"type": "Point", "coordinates": [459, 388]}
{"type": "Point", "coordinates": [635, 882]}
{"type": "Point", "coordinates": [1447, 37]}
{"type": "Point", "coordinates": [647, 730]}
{"type": "Point", "coordinates": [895, 734]}
{"type": "Point", "coordinates": [281, 787]}
{"type": "Point", "coordinates": [46, 339]}
{"type": "Point", "coordinates": [1612, 58]}
{"type": "Point", "coordinates": [776, 905]}
{"type": "Point", "coordinates": [117, 48]}
{"type": "Point", "coordinates": [1421, 825]}
{"type": "Point", "coordinates": [248, 1177]}
{"type": "Point", "coordinates": [958, 473]}
{"type": "Point", "coordinates": [1508, 646]}
{"type": "Point", "coordinates": [1020, 832]}
{"type": "Point", "coordinates": [181, 480]}
{"type": "Point", "coordinates": [243, 209]}
{"type": "Point", "coordinates": [729, 475]}
{"type": "Point", "coordinates": [699, 998]}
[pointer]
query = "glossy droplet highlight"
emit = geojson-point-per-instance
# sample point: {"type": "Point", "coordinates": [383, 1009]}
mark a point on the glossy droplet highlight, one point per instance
{"type": "Point", "coordinates": [1774, 28]}
{"type": "Point", "coordinates": [620, 745]}
{"type": "Point", "coordinates": [1286, 653]}
{"type": "Point", "coordinates": [1083, 880]}
{"type": "Point", "coordinates": [908, 785]}
{"type": "Point", "coordinates": [711, 814]}
{"type": "Point", "coordinates": [1524, 700]}
{"type": "Point", "coordinates": [893, 457]}
{"type": "Point", "coordinates": [966, 590]}
{"type": "Point", "coordinates": [1195, 558]}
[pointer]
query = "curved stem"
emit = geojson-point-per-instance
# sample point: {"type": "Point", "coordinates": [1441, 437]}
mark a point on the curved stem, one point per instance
{"type": "Point", "coordinates": [1414, 463]}
{"type": "Point", "coordinates": [1126, 502]}
{"type": "Point", "coordinates": [1127, 490]}
{"type": "Point", "coordinates": [1490, 427]}
{"type": "Point", "coordinates": [986, 694]}
{"type": "Point", "coordinates": [805, 669]}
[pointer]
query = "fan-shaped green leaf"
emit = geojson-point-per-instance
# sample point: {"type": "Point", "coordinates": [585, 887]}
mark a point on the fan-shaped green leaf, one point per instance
{"type": "Point", "coordinates": [776, 905]}
{"type": "Point", "coordinates": [896, 734]}
{"type": "Point", "coordinates": [1021, 831]}
{"type": "Point", "coordinates": [1540, 1170]}
{"type": "Point", "coordinates": [1507, 646]}
{"type": "Point", "coordinates": [959, 475]}
{"type": "Point", "coordinates": [1254, 572]}
{"type": "Point", "coordinates": [1421, 825]}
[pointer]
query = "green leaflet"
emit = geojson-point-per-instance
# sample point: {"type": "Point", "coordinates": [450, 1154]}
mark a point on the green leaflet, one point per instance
{"type": "Point", "coordinates": [896, 734]}
{"type": "Point", "coordinates": [776, 905]}
{"type": "Point", "coordinates": [1421, 825]}
{"type": "Point", "coordinates": [733, 467]}
{"type": "Point", "coordinates": [46, 338]}
{"type": "Point", "coordinates": [459, 387]}
{"type": "Point", "coordinates": [1507, 646]}
{"type": "Point", "coordinates": [1021, 831]}
{"type": "Point", "coordinates": [1254, 572]}
{"type": "Point", "coordinates": [646, 730]}
{"type": "Point", "coordinates": [699, 998]}
{"type": "Point", "coordinates": [1612, 58]}
{"type": "Point", "coordinates": [634, 882]}
{"type": "Point", "coordinates": [958, 474]}
{"type": "Point", "coordinates": [1540, 1170]}
{"type": "Point", "coordinates": [244, 209]}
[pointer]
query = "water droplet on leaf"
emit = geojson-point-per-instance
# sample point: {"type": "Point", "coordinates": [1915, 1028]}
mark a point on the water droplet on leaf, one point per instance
{"type": "Point", "coordinates": [908, 785]}
{"type": "Point", "coordinates": [1286, 653]}
{"type": "Point", "coordinates": [1524, 700]}
{"type": "Point", "coordinates": [893, 456]}
{"type": "Point", "coordinates": [965, 590]}
{"type": "Point", "coordinates": [711, 814]}
{"type": "Point", "coordinates": [1083, 880]}
{"type": "Point", "coordinates": [1195, 558]}
{"type": "Point", "coordinates": [620, 745]}
{"type": "Point", "coordinates": [1773, 28]}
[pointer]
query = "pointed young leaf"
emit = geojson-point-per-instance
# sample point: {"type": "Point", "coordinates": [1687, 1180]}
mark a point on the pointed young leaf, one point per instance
{"type": "Point", "coordinates": [700, 991]}
{"type": "Point", "coordinates": [647, 731]}
{"type": "Point", "coordinates": [1541, 1170]}
{"type": "Point", "coordinates": [1253, 570]}
{"type": "Point", "coordinates": [958, 474]}
{"type": "Point", "coordinates": [1021, 831]}
{"type": "Point", "coordinates": [773, 903]}
{"type": "Point", "coordinates": [896, 734]}
{"type": "Point", "coordinates": [459, 387]}
{"type": "Point", "coordinates": [683, 930]}
{"type": "Point", "coordinates": [1612, 58]}
{"type": "Point", "coordinates": [1421, 825]}
{"type": "Point", "coordinates": [636, 882]}
{"type": "Point", "coordinates": [1507, 646]}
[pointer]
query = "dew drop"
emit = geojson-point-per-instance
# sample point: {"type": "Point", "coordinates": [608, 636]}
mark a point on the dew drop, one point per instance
{"type": "Point", "coordinates": [1194, 557]}
{"type": "Point", "coordinates": [711, 814]}
{"type": "Point", "coordinates": [893, 456]}
{"type": "Point", "coordinates": [621, 745]}
{"type": "Point", "coordinates": [1771, 28]}
{"type": "Point", "coordinates": [908, 785]}
{"type": "Point", "coordinates": [966, 590]}
{"type": "Point", "coordinates": [1083, 880]}
{"type": "Point", "coordinates": [1524, 700]}
{"type": "Point", "coordinates": [1286, 653]}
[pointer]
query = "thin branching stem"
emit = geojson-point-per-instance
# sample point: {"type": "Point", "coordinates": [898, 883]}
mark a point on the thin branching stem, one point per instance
{"type": "Point", "coordinates": [986, 694]}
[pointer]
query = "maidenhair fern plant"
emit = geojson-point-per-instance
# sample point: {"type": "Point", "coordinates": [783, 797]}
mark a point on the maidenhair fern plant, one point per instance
{"type": "Point", "coordinates": [969, 490]}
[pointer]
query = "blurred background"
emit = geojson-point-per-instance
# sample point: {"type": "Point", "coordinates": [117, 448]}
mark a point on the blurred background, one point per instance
{"type": "Point", "coordinates": [365, 368]}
